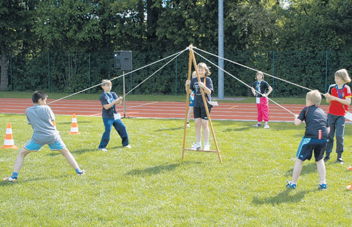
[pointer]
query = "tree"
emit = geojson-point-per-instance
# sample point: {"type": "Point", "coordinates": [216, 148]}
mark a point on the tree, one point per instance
{"type": "Point", "coordinates": [15, 25]}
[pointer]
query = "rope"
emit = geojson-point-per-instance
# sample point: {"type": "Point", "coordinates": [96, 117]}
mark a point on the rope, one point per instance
{"type": "Point", "coordinates": [114, 78]}
{"type": "Point", "coordinates": [244, 83]}
{"type": "Point", "coordinates": [253, 69]}
{"type": "Point", "coordinates": [155, 72]}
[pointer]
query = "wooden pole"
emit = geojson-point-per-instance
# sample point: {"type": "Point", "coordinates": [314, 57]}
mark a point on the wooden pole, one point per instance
{"type": "Point", "coordinates": [193, 59]}
{"type": "Point", "coordinates": [187, 106]}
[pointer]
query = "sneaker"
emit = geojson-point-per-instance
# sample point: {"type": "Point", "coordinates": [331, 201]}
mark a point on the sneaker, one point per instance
{"type": "Point", "coordinates": [349, 187]}
{"type": "Point", "coordinates": [188, 125]}
{"type": "Point", "coordinates": [10, 179]}
{"type": "Point", "coordinates": [206, 147]}
{"type": "Point", "coordinates": [257, 125]}
{"type": "Point", "coordinates": [196, 146]}
{"type": "Point", "coordinates": [266, 126]}
{"type": "Point", "coordinates": [291, 185]}
{"type": "Point", "coordinates": [323, 186]}
{"type": "Point", "coordinates": [339, 160]}
{"type": "Point", "coordinates": [82, 172]}
{"type": "Point", "coordinates": [127, 146]}
{"type": "Point", "coordinates": [103, 149]}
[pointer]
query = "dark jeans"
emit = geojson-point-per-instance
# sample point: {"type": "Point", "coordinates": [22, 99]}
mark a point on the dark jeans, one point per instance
{"type": "Point", "coordinates": [336, 124]}
{"type": "Point", "coordinates": [120, 128]}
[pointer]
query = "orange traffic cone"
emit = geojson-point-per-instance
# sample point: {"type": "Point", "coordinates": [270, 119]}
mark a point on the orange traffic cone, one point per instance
{"type": "Point", "coordinates": [9, 142]}
{"type": "Point", "coordinates": [74, 125]}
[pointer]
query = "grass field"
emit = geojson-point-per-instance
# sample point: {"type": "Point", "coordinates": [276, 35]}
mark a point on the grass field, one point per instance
{"type": "Point", "coordinates": [148, 185]}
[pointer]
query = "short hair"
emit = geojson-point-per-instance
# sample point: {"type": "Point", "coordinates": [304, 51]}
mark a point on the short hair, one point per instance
{"type": "Point", "coordinates": [105, 82]}
{"type": "Point", "coordinates": [205, 67]}
{"type": "Point", "coordinates": [343, 75]}
{"type": "Point", "coordinates": [314, 97]}
{"type": "Point", "coordinates": [38, 95]}
{"type": "Point", "coordinates": [260, 73]}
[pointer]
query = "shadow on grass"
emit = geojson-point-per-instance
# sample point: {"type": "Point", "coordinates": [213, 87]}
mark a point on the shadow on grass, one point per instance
{"type": "Point", "coordinates": [6, 183]}
{"type": "Point", "coordinates": [158, 169]}
{"type": "Point", "coordinates": [168, 129]}
{"type": "Point", "coordinates": [237, 129]}
{"type": "Point", "coordinates": [307, 169]}
{"type": "Point", "coordinates": [287, 196]}
{"type": "Point", "coordinates": [82, 151]}
{"type": "Point", "coordinates": [68, 123]}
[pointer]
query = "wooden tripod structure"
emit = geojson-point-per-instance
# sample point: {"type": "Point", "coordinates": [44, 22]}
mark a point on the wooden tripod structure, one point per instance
{"type": "Point", "coordinates": [192, 61]}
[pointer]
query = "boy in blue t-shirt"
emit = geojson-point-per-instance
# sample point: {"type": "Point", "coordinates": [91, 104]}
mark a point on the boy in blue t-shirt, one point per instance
{"type": "Point", "coordinates": [314, 139]}
{"type": "Point", "coordinates": [42, 120]}
{"type": "Point", "coordinates": [111, 117]}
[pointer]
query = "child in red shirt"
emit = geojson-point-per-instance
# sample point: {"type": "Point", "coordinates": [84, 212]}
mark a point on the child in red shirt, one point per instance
{"type": "Point", "coordinates": [339, 97]}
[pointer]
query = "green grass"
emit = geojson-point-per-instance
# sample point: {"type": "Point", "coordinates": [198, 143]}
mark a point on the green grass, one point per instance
{"type": "Point", "coordinates": [157, 97]}
{"type": "Point", "coordinates": [148, 185]}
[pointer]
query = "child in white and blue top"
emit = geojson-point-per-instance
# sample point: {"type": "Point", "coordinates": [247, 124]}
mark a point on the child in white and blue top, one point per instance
{"type": "Point", "coordinates": [191, 101]}
{"type": "Point", "coordinates": [111, 117]}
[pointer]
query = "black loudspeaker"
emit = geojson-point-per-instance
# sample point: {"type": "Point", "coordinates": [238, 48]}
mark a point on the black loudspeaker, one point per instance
{"type": "Point", "coordinates": [123, 60]}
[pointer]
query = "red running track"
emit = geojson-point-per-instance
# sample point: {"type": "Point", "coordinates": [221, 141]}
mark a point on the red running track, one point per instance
{"type": "Point", "coordinates": [143, 109]}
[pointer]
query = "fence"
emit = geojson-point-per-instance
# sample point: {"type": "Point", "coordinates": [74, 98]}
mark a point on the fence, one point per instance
{"type": "Point", "coordinates": [70, 72]}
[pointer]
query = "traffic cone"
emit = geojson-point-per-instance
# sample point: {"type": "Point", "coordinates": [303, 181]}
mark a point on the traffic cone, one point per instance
{"type": "Point", "coordinates": [9, 143]}
{"type": "Point", "coordinates": [74, 125]}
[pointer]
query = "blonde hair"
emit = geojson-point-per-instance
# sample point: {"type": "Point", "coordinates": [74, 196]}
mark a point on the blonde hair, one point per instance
{"type": "Point", "coordinates": [205, 67]}
{"type": "Point", "coordinates": [343, 75]}
{"type": "Point", "coordinates": [105, 82]}
{"type": "Point", "coordinates": [314, 97]}
{"type": "Point", "coordinates": [260, 73]}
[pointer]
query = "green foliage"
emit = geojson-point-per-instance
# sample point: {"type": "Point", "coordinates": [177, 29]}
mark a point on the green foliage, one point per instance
{"type": "Point", "coordinates": [67, 45]}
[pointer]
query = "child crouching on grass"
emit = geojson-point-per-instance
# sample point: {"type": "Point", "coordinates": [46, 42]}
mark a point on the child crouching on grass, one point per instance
{"type": "Point", "coordinates": [314, 139]}
{"type": "Point", "coordinates": [42, 119]}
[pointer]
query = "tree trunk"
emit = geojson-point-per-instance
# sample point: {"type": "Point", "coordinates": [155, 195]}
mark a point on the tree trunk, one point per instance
{"type": "Point", "coordinates": [4, 65]}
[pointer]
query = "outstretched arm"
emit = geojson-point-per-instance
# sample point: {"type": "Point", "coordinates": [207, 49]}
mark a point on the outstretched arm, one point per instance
{"type": "Point", "coordinates": [297, 121]}
{"type": "Point", "coordinates": [329, 98]}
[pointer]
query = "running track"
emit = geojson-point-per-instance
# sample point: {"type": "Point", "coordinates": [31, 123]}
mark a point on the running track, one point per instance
{"type": "Point", "coordinates": [150, 109]}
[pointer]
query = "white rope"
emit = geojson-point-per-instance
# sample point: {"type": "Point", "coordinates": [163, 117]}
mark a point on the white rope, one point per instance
{"type": "Point", "coordinates": [155, 72]}
{"type": "Point", "coordinates": [253, 69]}
{"type": "Point", "coordinates": [114, 78]}
{"type": "Point", "coordinates": [243, 82]}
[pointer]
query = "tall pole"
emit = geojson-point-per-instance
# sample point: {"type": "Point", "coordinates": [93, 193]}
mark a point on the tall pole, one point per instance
{"type": "Point", "coordinates": [124, 94]}
{"type": "Point", "coordinates": [221, 49]}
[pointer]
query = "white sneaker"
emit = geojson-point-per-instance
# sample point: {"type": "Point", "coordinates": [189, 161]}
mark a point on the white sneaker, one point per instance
{"type": "Point", "coordinates": [103, 149]}
{"type": "Point", "coordinates": [196, 146]}
{"type": "Point", "coordinates": [188, 125]}
{"type": "Point", "coordinates": [206, 147]}
{"type": "Point", "coordinates": [9, 179]}
{"type": "Point", "coordinates": [82, 172]}
{"type": "Point", "coordinates": [127, 146]}
{"type": "Point", "coordinates": [266, 126]}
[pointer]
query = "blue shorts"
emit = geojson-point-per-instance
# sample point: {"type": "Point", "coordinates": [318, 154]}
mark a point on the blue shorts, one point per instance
{"type": "Point", "coordinates": [33, 146]}
{"type": "Point", "coordinates": [191, 99]}
{"type": "Point", "coordinates": [308, 145]}
{"type": "Point", "coordinates": [191, 102]}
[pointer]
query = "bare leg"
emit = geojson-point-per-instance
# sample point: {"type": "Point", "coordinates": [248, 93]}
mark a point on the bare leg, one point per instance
{"type": "Point", "coordinates": [69, 157]}
{"type": "Point", "coordinates": [190, 111]}
{"type": "Point", "coordinates": [20, 158]}
{"type": "Point", "coordinates": [205, 131]}
{"type": "Point", "coordinates": [297, 170]}
{"type": "Point", "coordinates": [321, 171]}
{"type": "Point", "coordinates": [198, 130]}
